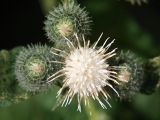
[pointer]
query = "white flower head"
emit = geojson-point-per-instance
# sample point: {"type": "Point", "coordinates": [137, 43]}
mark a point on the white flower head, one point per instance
{"type": "Point", "coordinates": [86, 72]}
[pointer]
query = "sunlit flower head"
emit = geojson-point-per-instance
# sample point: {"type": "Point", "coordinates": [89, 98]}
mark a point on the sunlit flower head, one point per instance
{"type": "Point", "coordinates": [86, 72]}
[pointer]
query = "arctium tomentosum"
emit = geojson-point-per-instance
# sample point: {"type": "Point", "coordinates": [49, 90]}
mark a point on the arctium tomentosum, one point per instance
{"type": "Point", "coordinates": [86, 71]}
{"type": "Point", "coordinates": [32, 67]}
{"type": "Point", "coordinates": [65, 21]}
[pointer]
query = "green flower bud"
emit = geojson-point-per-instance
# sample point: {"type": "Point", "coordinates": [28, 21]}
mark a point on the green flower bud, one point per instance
{"type": "Point", "coordinates": [33, 66]}
{"type": "Point", "coordinates": [132, 73]}
{"type": "Point", "coordinates": [65, 20]}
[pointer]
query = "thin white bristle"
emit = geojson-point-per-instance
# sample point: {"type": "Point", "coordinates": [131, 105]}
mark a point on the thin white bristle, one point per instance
{"type": "Point", "coordinates": [97, 41]}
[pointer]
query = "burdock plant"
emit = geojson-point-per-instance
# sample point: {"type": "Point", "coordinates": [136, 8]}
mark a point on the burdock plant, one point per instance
{"type": "Point", "coordinates": [78, 66]}
{"type": "Point", "coordinates": [32, 67]}
{"type": "Point", "coordinates": [65, 20]}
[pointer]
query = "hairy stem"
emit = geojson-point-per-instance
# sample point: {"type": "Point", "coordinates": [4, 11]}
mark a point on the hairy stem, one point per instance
{"type": "Point", "coordinates": [9, 89]}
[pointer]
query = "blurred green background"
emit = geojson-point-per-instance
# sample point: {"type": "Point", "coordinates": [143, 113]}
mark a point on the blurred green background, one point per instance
{"type": "Point", "coordinates": [135, 28]}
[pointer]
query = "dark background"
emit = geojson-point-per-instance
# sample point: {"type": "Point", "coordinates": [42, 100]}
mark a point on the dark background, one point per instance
{"type": "Point", "coordinates": [22, 20]}
{"type": "Point", "coordinates": [22, 23]}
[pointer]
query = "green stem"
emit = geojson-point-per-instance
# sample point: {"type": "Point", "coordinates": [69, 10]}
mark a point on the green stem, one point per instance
{"type": "Point", "coordinates": [93, 113]}
{"type": "Point", "coordinates": [47, 5]}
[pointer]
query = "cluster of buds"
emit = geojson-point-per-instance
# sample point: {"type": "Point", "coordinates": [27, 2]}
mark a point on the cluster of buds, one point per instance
{"type": "Point", "coordinates": [84, 69]}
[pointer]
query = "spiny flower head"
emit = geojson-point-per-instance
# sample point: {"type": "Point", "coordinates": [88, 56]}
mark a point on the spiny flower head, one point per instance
{"type": "Point", "coordinates": [86, 72]}
{"type": "Point", "coordinates": [64, 20]}
{"type": "Point", "coordinates": [32, 67]}
{"type": "Point", "coordinates": [139, 2]}
{"type": "Point", "coordinates": [132, 74]}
